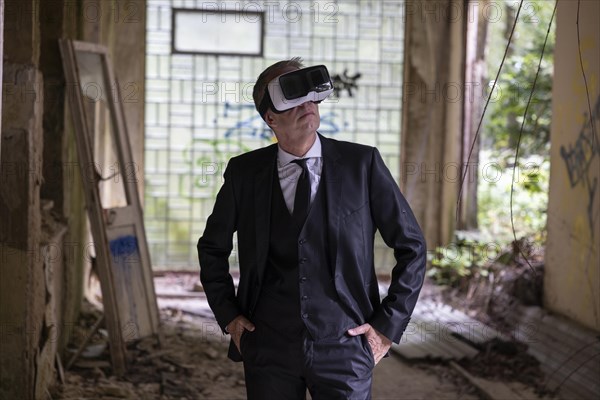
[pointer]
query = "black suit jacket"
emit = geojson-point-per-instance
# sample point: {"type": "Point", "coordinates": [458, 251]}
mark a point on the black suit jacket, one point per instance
{"type": "Point", "coordinates": [362, 197]}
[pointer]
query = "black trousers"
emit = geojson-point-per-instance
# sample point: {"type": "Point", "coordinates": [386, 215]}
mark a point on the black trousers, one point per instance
{"type": "Point", "coordinates": [283, 365]}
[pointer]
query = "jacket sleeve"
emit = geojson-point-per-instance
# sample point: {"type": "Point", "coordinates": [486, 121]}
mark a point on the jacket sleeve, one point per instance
{"type": "Point", "coordinates": [399, 229]}
{"type": "Point", "coordinates": [214, 248]}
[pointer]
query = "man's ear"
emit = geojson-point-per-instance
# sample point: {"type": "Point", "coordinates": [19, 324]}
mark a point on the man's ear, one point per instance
{"type": "Point", "coordinates": [269, 119]}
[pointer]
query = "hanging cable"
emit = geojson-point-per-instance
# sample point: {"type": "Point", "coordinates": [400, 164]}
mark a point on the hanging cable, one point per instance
{"type": "Point", "coordinates": [587, 92]}
{"type": "Point", "coordinates": [487, 102]}
{"type": "Point", "coordinates": [512, 183]}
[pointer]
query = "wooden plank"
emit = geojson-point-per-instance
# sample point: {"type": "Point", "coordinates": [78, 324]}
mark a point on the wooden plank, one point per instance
{"type": "Point", "coordinates": [458, 322]}
{"type": "Point", "coordinates": [558, 322]}
{"type": "Point", "coordinates": [409, 351]}
{"type": "Point", "coordinates": [439, 339]}
{"type": "Point", "coordinates": [94, 209]}
{"type": "Point", "coordinates": [130, 283]}
{"type": "Point", "coordinates": [552, 327]}
{"type": "Point", "coordinates": [568, 353]}
{"type": "Point", "coordinates": [427, 338]}
{"type": "Point", "coordinates": [546, 355]}
{"type": "Point", "coordinates": [416, 350]}
{"type": "Point", "coordinates": [561, 347]}
{"type": "Point", "coordinates": [560, 343]}
{"type": "Point", "coordinates": [556, 371]}
{"type": "Point", "coordinates": [124, 225]}
{"type": "Point", "coordinates": [85, 342]}
{"type": "Point", "coordinates": [133, 198]}
{"type": "Point", "coordinates": [123, 239]}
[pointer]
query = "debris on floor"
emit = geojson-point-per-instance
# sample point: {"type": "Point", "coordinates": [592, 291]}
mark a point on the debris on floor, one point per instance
{"type": "Point", "coordinates": [466, 357]}
{"type": "Point", "coordinates": [525, 343]}
{"type": "Point", "coordinates": [189, 364]}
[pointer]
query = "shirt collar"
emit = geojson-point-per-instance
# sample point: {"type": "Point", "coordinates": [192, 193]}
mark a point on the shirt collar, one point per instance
{"type": "Point", "coordinates": [285, 158]}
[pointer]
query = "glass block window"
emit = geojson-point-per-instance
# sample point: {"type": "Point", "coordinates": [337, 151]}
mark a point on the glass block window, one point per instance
{"type": "Point", "coordinates": [199, 109]}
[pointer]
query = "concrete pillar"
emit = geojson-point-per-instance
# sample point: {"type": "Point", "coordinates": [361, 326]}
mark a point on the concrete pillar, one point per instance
{"type": "Point", "coordinates": [432, 119]}
{"type": "Point", "coordinates": [1, 58]}
{"type": "Point", "coordinates": [62, 188]}
{"type": "Point", "coordinates": [22, 31]}
{"type": "Point", "coordinates": [572, 273]}
{"type": "Point", "coordinates": [22, 285]}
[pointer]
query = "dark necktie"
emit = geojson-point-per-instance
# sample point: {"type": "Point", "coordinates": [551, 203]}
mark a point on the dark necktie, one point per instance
{"type": "Point", "coordinates": [302, 197]}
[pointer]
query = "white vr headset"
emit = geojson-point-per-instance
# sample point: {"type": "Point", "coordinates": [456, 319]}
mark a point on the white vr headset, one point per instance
{"type": "Point", "coordinates": [297, 87]}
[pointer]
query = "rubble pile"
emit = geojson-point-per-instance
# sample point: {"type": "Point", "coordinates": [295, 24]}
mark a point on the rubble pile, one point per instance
{"type": "Point", "coordinates": [189, 364]}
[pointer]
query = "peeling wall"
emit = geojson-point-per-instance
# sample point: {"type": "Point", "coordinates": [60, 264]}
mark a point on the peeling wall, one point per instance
{"type": "Point", "coordinates": [572, 274]}
{"type": "Point", "coordinates": [42, 210]}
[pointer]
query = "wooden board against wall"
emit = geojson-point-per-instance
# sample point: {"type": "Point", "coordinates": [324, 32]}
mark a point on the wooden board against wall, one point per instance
{"type": "Point", "coordinates": [112, 198]}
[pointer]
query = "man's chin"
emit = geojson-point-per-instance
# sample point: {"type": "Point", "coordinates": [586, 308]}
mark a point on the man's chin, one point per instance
{"type": "Point", "coordinates": [313, 125]}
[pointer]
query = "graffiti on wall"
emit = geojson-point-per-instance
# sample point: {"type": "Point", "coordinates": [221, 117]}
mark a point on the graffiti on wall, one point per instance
{"type": "Point", "coordinates": [345, 82]}
{"type": "Point", "coordinates": [253, 127]}
{"type": "Point", "coordinates": [580, 155]}
{"type": "Point", "coordinates": [212, 162]}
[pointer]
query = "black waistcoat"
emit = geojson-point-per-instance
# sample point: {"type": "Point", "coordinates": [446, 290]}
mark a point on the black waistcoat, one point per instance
{"type": "Point", "coordinates": [298, 290]}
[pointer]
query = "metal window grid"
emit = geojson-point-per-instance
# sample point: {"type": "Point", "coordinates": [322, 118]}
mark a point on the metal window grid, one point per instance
{"type": "Point", "coordinates": [199, 110]}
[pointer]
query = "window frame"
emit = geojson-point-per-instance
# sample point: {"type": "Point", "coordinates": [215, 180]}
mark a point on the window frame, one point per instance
{"type": "Point", "coordinates": [176, 10]}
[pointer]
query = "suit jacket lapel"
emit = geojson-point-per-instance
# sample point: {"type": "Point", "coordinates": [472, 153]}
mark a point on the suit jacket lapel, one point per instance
{"type": "Point", "coordinates": [263, 188]}
{"type": "Point", "coordinates": [333, 191]}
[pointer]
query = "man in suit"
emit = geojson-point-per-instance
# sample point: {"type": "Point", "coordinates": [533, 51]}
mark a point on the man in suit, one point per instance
{"type": "Point", "coordinates": [307, 312]}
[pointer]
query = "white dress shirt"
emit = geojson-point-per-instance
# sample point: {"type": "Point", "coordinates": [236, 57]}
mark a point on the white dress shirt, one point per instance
{"type": "Point", "coordinates": [289, 172]}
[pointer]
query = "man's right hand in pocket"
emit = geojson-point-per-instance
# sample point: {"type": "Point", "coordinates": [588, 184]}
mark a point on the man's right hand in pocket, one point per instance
{"type": "Point", "coordinates": [236, 329]}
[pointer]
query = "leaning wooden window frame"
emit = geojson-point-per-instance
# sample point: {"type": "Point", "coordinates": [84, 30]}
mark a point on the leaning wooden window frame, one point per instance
{"type": "Point", "coordinates": [254, 21]}
{"type": "Point", "coordinates": [121, 250]}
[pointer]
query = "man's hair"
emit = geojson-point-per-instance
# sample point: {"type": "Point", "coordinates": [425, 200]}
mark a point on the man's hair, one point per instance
{"type": "Point", "coordinates": [271, 73]}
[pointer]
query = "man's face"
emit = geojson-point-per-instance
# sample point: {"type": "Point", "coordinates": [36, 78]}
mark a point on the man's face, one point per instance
{"type": "Point", "coordinates": [303, 118]}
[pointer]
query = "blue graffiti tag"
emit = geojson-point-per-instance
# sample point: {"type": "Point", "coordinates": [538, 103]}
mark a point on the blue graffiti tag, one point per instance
{"type": "Point", "coordinates": [253, 127]}
{"type": "Point", "coordinates": [579, 157]}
